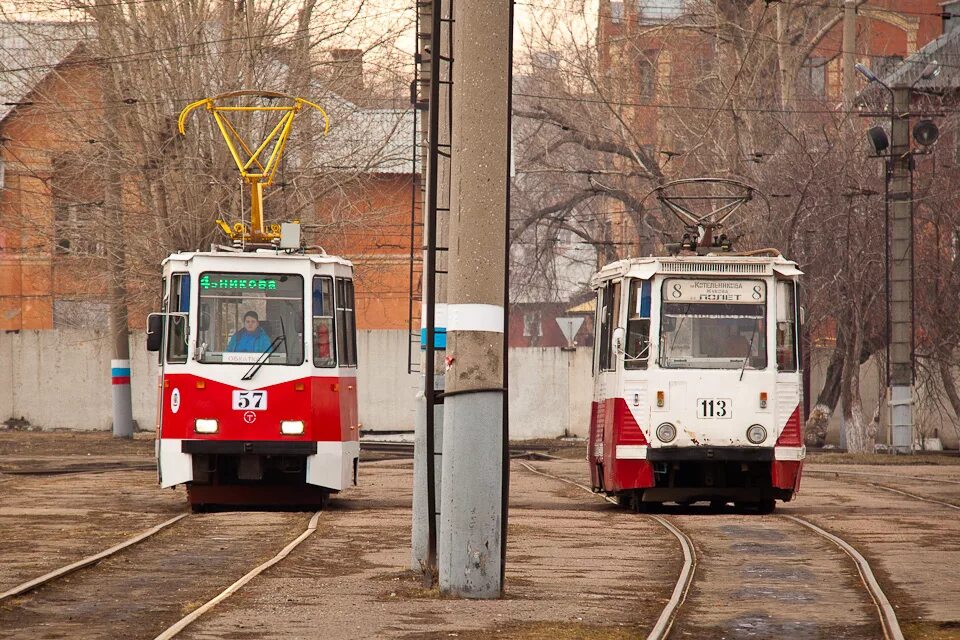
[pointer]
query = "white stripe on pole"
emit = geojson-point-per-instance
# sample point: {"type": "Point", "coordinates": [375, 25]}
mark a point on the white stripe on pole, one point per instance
{"type": "Point", "coordinates": [475, 317]}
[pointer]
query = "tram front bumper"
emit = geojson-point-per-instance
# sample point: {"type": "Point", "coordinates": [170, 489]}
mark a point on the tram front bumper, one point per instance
{"type": "Point", "coordinates": [706, 454]}
{"type": "Point", "coordinates": [255, 447]}
{"type": "Point", "coordinates": [332, 465]}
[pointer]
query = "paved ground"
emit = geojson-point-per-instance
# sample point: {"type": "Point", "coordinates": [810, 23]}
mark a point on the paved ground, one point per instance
{"type": "Point", "coordinates": [577, 566]}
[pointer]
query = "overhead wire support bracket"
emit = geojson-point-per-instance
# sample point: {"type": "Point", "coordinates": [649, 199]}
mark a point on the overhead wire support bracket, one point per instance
{"type": "Point", "coordinates": [254, 170]}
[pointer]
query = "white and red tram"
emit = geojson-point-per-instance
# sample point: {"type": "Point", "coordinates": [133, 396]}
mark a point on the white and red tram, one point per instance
{"type": "Point", "coordinates": [258, 376]}
{"type": "Point", "coordinates": [698, 385]}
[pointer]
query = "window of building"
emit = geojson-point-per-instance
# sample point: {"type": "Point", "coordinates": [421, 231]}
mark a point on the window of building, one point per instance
{"type": "Point", "coordinates": [532, 327]}
{"type": "Point", "coordinates": [616, 11]}
{"type": "Point", "coordinates": [324, 344]}
{"type": "Point", "coordinates": [77, 191]}
{"type": "Point", "coordinates": [647, 74]}
{"type": "Point", "coordinates": [637, 349]}
{"type": "Point", "coordinates": [814, 74]}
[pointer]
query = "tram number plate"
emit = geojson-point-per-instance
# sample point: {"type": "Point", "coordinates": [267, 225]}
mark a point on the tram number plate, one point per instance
{"type": "Point", "coordinates": [714, 408]}
{"type": "Point", "coordinates": [249, 400]}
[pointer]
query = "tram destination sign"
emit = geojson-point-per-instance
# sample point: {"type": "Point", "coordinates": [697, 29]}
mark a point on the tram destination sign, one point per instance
{"type": "Point", "coordinates": [244, 282]}
{"type": "Point", "coordinates": [752, 291]}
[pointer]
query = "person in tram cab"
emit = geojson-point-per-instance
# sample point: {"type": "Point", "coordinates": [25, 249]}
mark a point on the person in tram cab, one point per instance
{"type": "Point", "coordinates": [251, 337]}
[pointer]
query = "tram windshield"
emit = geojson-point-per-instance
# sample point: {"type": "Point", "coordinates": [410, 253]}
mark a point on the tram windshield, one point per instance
{"type": "Point", "coordinates": [248, 318]}
{"type": "Point", "coordinates": [713, 334]}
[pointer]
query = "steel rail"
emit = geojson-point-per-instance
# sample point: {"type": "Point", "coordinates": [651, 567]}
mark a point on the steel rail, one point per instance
{"type": "Point", "coordinates": [30, 585]}
{"type": "Point", "coordinates": [888, 617]}
{"type": "Point", "coordinates": [661, 629]}
{"type": "Point", "coordinates": [913, 495]}
{"type": "Point", "coordinates": [877, 473]}
{"type": "Point", "coordinates": [187, 620]}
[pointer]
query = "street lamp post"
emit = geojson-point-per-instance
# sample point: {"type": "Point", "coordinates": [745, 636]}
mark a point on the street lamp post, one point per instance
{"type": "Point", "coordinates": [899, 257]}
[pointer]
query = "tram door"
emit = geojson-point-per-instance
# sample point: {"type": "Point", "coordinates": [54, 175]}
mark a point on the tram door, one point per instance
{"type": "Point", "coordinates": [607, 368]}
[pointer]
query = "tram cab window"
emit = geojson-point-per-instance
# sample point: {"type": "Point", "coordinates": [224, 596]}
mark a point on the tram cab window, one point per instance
{"type": "Point", "coordinates": [609, 316]}
{"type": "Point", "coordinates": [324, 338]}
{"type": "Point", "coordinates": [709, 324]}
{"type": "Point", "coordinates": [178, 302]}
{"type": "Point", "coordinates": [243, 316]}
{"type": "Point", "coordinates": [786, 326]}
{"type": "Point", "coordinates": [346, 324]}
{"type": "Point", "coordinates": [637, 349]}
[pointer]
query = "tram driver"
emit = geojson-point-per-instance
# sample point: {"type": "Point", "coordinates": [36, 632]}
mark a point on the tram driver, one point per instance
{"type": "Point", "coordinates": [250, 337]}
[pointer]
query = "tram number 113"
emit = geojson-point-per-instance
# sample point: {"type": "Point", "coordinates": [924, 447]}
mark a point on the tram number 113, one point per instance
{"type": "Point", "coordinates": [714, 408]}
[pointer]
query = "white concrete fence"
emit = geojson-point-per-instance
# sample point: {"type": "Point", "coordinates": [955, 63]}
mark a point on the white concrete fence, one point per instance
{"type": "Point", "coordinates": [60, 379]}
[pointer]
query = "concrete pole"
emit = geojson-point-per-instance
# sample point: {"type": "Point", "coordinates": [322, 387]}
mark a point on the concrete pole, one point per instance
{"type": "Point", "coordinates": [849, 52]}
{"type": "Point", "coordinates": [420, 538]}
{"type": "Point", "coordinates": [113, 210]}
{"type": "Point", "coordinates": [472, 505]}
{"type": "Point", "coordinates": [900, 197]}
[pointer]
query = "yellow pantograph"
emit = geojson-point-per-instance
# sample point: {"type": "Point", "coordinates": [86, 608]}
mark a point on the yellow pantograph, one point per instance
{"type": "Point", "coordinates": [250, 162]}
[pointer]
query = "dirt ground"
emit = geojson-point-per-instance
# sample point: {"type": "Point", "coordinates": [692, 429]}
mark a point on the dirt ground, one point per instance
{"type": "Point", "coordinates": [578, 567]}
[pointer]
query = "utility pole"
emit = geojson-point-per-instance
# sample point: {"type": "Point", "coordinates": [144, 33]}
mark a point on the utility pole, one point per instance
{"type": "Point", "coordinates": [473, 510]}
{"type": "Point", "coordinates": [900, 274]}
{"type": "Point", "coordinates": [116, 246]}
{"type": "Point", "coordinates": [849, 52]}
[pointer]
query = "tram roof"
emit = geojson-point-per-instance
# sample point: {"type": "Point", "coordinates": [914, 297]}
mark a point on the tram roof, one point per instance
{"type": "Point", "coordinates": [316, 258]}
{"type": "Point", "coordinates": [710, 265]}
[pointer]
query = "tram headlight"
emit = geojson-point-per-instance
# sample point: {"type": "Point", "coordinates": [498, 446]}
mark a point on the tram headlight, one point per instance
{"type": "Point", "coordinates": [666, 432]}
{"type": "Point", "coordinates": [291, 427]}
{"type": "Point", "coordinates": [756, 434]}
{"type": "Point", "coordinates": [203, 425]}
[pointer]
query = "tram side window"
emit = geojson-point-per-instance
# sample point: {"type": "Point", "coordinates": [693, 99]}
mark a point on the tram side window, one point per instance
{"type": "Point", "coordinates": [608, 322]}
{"type": "Point", "coordinates": [786, 326]}
{"type": "Point", "coordinates": [324, 354]}
{"type": "Point", "coordinates": [179, 302]}
{"type": "Point", "coordinates": [346, 323]}
{"type": "Point", "coordinates": [637, 349]}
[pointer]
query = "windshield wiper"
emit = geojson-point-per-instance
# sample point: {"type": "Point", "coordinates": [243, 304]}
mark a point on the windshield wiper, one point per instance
{"type": "Point", "coordinates": [749, 349]}
{"type": "Point", "coordinates": [266, 354]}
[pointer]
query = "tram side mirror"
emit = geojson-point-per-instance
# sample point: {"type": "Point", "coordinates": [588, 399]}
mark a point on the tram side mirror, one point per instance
{"type": "Point", "coordinates": [154, 331]}
{"type": "Point", "coordinates": [618, 335]}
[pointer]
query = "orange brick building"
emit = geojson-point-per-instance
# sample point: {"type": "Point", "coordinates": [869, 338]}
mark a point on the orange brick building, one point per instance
{"type": "Point", "coordinates": [54, 262]}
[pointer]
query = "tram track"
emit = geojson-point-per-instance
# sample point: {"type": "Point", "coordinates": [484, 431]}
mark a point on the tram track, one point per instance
{"type": "Point", "coordinates": [36, 583]}
{"type": "Point", "coordinates": [662, 627]}
{"type": "Point", "coordinates": [52, 600]}
{"type": "Point", "coordinates": [665, 623]}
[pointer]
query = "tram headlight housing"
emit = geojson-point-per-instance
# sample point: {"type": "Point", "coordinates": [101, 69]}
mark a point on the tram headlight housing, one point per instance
{"type": "Point", "coordinates": [291, 427]}
{"type": "Point", "coordinates": [206, 425]}
{"type": "Point", "coordinates": [756, 434]}
{"type": "Point", "coordinates": [666, 432]}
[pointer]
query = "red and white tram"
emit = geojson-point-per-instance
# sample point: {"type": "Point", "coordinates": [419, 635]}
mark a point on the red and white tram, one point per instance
{"type": "Point", "coordinates": [697, 381]}
{"type": "Point", "coordinates": [257, 341]}
{"type": "Point", "coordinates": [258, 384]}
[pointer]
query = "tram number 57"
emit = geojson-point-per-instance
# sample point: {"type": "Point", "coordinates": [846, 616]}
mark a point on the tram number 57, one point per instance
{"type": "Point", "coordinates": [249, 400]}
{"type": "Point", "coordinates": [714, 408]}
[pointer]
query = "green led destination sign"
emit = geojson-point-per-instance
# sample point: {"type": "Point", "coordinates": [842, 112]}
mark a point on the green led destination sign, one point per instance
{"type": "Point", "coordinates": [244, 284]}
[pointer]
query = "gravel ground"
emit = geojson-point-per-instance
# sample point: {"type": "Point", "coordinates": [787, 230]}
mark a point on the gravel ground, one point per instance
{"type": "Point", "coordinates": [578, 567]}
{"type": "Point", "coordinates": [566, 578]}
